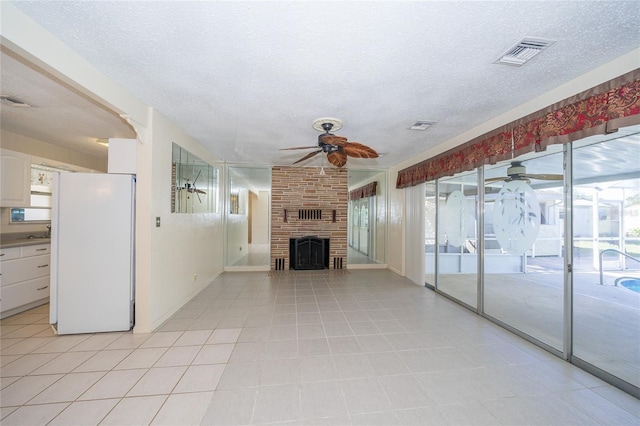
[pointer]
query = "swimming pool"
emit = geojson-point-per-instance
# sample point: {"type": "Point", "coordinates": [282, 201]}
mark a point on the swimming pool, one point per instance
{"type": "Point", "coordinates": [632, 284]}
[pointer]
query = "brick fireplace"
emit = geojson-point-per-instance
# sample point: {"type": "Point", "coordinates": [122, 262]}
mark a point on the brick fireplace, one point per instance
{"type": "Point", "coordinates": [306, 204]}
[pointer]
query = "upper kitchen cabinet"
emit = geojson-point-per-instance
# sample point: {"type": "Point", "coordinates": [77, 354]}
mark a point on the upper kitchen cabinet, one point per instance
{"type": "Point", "coordinates": [15, 179]}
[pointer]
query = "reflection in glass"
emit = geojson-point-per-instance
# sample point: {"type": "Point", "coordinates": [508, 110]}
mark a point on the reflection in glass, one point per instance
{"type": "Point", "coordinates": [367, 219]}
{"type": "Point", "coordinates": [430, 207]}
{"type": "Point", "coordinates": [457, 238]}
{"type": "Point", "coordinates": [194, 183]}
{"type": "Point", "coordinates": [606, 224]}
{"type": "Point", "coordinates": [248, 217]}
{"type": "Point", "coordinates": [523, 262]}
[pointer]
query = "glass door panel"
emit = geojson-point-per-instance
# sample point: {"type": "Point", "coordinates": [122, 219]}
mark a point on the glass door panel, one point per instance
{"type": "Point", "coordinates": [430, 247]}
{"type": "Point", "coordinates": [606, 256]}
{"type": "Point", "coordinates": [457, 242]}
{"type": "Point", "coordinates": [523, 240]}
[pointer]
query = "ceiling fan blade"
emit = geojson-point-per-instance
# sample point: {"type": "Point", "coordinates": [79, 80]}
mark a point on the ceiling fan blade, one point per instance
{"type": "Point", "coordinates": [196, 179]}
{"type": "Point", "coordinates": [308, 156]}
{"type": "Point", "coordinates": [298, 147]}
{"type": "Point", "coordinates": [334, 140]}
{"type": "Point", "coordinates": [495, 179]}
{"type": "Point", "coordinates": [337, 158]}
{"type": "Point", "coordinates": [199, 191]}
{"type": "Point", "coordinates": [543, 176]}
{"type": "Point", "coordinates": [358, 150]}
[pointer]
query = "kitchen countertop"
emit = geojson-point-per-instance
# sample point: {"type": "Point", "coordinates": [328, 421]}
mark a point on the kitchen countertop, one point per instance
{"type": "Point", "coordinates": [22, 239]}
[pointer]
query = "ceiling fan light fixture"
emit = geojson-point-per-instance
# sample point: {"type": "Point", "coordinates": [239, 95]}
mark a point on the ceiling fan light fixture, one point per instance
{"type": "Point", "coordinates": [422, 125]}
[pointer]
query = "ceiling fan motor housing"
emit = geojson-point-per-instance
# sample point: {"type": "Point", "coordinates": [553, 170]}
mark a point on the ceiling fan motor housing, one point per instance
{"type": "Point", "coordinates": [516, 169]}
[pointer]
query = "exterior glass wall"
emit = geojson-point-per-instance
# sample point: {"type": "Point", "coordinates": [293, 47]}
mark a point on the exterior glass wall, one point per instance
{"type": "Point", "coordinates": [457, 237]}
{"type": "Point", "coordinates": [523, 240]}
{"type": "Point", "coordinates": [577, 295]}
{"type": "Point", "coordinates": [606, 245]}
{"type": "Point", "coordinates": [430, 246]}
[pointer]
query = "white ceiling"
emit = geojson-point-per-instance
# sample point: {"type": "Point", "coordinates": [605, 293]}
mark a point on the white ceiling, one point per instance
{"type": "Point", "coordinates": [246, 79]}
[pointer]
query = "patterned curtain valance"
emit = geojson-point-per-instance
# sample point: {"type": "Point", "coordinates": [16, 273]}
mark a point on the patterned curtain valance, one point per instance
{"type": "Point", "coordinates": [602, 109]}
{"type": "Point", "coordinates": [364, 191]}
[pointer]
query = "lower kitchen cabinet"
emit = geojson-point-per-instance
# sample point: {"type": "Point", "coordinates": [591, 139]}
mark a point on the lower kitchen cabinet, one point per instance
{"type": "Point", "coordinates": [25, 278]}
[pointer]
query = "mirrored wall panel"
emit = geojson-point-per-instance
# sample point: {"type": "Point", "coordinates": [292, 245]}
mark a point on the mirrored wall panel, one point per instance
{"type": "Point", "coordinates": [248, 217]}
{"type": "Point", "coordinates": [194, 183]}
{"type": "Point", "coordinates": [367, 222]}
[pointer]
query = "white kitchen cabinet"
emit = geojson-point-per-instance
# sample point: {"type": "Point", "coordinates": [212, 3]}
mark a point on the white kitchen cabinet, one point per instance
{"type": "Point", "coordinates": [15, 179]}
{"type": "Point", "coordinates": [25, 278]}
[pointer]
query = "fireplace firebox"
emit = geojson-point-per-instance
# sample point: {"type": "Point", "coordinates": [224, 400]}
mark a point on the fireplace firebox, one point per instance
{"type": "Point", "coordinates": [309, 253]}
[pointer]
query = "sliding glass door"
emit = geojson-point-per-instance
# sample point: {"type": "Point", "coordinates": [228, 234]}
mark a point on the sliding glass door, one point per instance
{"type": "Point", "coordinates": [523, 241]}
{"type": "Point", "coordinates": [458, 242]}
{"type": "Point", "coordinates": [576, 295]}
{"type": "Point", "coordinates": [606, 256]}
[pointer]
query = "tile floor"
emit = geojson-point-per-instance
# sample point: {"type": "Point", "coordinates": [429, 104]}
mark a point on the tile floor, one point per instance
{"type": "Point", "coordinates": [360, 348]}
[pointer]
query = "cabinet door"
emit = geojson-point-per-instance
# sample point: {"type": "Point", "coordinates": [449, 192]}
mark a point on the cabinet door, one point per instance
{"type": "Point", "coordinates": [15, 180]}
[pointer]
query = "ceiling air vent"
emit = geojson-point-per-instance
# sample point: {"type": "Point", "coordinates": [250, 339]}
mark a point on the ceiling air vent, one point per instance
{"type": "Point", "coordinates": [422, 125]}
{"type": "Point", "coordinates": [523, 51]}
{"type": "Point", "coordinates": [13, 101]}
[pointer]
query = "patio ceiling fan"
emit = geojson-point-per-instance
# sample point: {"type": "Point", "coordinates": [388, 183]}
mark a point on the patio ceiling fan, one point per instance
{"type": "Point", "coordinates": [337, 148]}
{"type": "Point", "coordinates": [517, 171]}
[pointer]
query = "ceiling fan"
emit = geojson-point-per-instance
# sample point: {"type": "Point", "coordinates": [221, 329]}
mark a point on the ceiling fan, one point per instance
{"type": "Point", "coordinates": [191, 187]}
{"type": "Point", "coordinates": [336, 147]}
{"type": "Point", "coordinates": [518, 171]}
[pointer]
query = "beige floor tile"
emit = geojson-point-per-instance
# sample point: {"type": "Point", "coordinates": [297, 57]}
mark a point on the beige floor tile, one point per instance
{"type": "Point", "coordinates": [141, 358]}
{"type": "Point", "coordinates": [183, 409]}
{"type": "Point", "coordinates": [200, 378]}
{"type": "Point", "coordinates": [214, 354]}
{"type": "Point", "coordinates": [157, 381]}
{"type": "Point", "coordinates": [21, 391]}
{"type": "Point", "coordinates": [31, 415]}
{"type": "Point", "coordinates": [114, 384]}
{"type": "Point", "coordinates": [231, 407]}
{"type": "Point", "coordinates": [104, 360]}
{"type": "Point", "coordinates": [135, 411]}
{"type": "Point", "coordinates": [161, 339]}
{"type": "Point", "coordinates": [84, 412]}
{"type": "Point", "coordinates": [224, 335]}
{"type": "Point", "coordinates": [178, 355]}
{"type": "Point", "coordinates": [193, 338]}
{"type": "Point", "coordinates": [64, 363]}
{"type": "Point", "coordinates": [68, 388]}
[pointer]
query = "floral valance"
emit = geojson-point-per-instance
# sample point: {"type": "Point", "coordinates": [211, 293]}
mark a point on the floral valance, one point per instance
{"type": "Point", "coordinates": [364, 191]}
{"type": "Point", "coordinates": [602, 109]}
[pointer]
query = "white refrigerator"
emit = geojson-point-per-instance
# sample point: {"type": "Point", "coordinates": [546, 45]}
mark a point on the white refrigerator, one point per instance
{"type": "Point", "coordinates": [92, 253]}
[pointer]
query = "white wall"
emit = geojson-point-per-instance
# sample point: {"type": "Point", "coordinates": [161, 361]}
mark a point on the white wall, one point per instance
{"type": "Point", "coordinates": [166, 257]}
{"type": "Point", "coordinates": [186, 251]}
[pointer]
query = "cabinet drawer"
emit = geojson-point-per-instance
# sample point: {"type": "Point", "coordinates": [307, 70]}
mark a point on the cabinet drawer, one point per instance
{"type": "Point", "coordinates": [15, 295]}
{"type": "Point", "coordinates": [29, 268]}
{"type": "Point", "coordinates": [38, 250]}
{"type": "Point", "coordinates": [9, 253]}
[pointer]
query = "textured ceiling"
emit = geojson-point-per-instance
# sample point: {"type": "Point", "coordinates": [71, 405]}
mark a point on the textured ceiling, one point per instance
{"type": "Point", "coordinates": [248, 78]}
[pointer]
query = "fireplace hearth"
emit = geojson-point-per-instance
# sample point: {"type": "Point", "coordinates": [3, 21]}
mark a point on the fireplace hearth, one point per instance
{"type": "Point", "coordinates": [309, 253]}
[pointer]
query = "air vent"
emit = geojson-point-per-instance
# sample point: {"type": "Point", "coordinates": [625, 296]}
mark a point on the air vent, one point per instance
{"type": "Point", "coordinates": [523, 51]}
{"type": "Point", "coordinates": [422, 125]}
{"type": "Point", "coordinates": [13, 101]}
